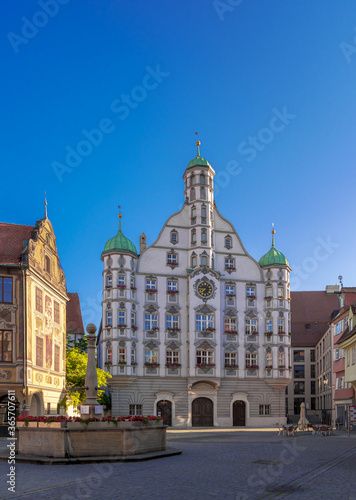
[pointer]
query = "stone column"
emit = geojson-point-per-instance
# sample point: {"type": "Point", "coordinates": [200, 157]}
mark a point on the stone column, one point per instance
{"type": "Point", "coordinates": [91, 378]}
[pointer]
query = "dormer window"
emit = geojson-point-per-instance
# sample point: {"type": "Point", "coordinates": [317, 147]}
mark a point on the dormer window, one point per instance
{"type": "Point", "coordinates": [228, 242]}
{"type": "Point", "coordinates": [174, 236]}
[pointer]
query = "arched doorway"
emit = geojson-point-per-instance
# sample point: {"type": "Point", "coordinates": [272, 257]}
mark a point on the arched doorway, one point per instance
{"type": "Point", "coordinates": [164, 408]}
{"type": "Point", "coordinates": [36, 406]}
{"type": "Point", "coordinates": [202, 412]}
{"type": "Point", "coordinates": [238, 413]}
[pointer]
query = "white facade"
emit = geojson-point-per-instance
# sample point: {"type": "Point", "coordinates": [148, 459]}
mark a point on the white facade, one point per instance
{"type": "Point", "coordinates": [203, 323]}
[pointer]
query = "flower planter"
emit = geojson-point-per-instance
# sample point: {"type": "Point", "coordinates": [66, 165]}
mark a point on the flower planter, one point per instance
{"type": "Point", "coordinates": [52, 425]}
{"type": "Point", "coordinates": [29, 424]}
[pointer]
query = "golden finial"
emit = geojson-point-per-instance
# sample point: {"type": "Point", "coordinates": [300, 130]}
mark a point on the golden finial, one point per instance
{"type": "Point", "coordinates": [197, 143]}
{"type": "Point", "coordinates": [120, 215]}
{"type": "Point", "coordinates": [273, 233]}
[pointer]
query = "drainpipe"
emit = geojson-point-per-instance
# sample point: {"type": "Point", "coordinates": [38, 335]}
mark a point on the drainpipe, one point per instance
{"type": "Point", "coordinates": [25, 410]}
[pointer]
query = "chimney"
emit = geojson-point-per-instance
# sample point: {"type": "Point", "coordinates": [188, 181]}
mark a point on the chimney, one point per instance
{"type": "Point", "coordinates": [330, 289]}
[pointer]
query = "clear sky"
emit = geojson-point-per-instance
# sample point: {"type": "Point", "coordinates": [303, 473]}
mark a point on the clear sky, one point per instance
{"type": "Point", "coordinates": [269, 86]}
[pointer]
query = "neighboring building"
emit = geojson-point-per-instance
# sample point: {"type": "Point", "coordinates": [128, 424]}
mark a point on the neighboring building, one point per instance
{"type": "Point", "coordinates": [75, 328]}
{"type": "Point", "coordinates": [344, 394]}
{"type": "Point", "coordinates": [311, 315]}
{"type": "Point", "coordinates": [32, 317]}
{"type": "Point", "coordinates": [347, 342]}
{"type": "Point", "coordinates": [324, 373]}
{"type": "Point", "coordinates": [194, 328]}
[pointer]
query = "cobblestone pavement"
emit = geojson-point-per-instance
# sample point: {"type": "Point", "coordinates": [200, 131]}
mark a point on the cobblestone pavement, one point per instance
{"type": "Point", "coordinates": [221, 465]}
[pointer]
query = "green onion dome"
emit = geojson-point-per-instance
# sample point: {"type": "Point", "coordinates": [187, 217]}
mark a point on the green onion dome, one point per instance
{"type": "Point", "coordinates": [198, 160]}
{"type": "Point", "coordinates": [119, 242]}
{"type": "Point", "coordinates": [273, 257]}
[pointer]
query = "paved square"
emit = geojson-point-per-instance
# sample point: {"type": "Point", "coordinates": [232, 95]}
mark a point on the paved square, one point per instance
{"type": "Point", "coordinates": [238, 465]}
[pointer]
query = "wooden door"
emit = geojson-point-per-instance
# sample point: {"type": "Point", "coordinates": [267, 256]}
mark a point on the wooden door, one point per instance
{"type": "Point", "coordinates": [165, 409]}
{"type": "Point", "coordinates": [202, 412]}
{"type": "Point", "coordinates": [239, 413]}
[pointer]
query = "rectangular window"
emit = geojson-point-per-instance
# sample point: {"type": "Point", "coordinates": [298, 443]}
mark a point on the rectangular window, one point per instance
{"type": "Point", "coordinates": [269, 291]}
{"type": "Point", "coordinates": [230, 291]}
{"type": "Point", "coordinates": [133, 356]}
{"type": "Point", "coordinates": [56, 312]}
{"type": "Point", "coordinates": [122, 318]}
{"type": "Point", "coordinates": [57, 357]}
{"type": "Point", "coordinates": [109, 355]}
{"type": "Point", "coordinates": [250, 326]}
{"type": "Point", "coordinates": [312, 387]}
{"type": "Point", "coordinates": [120, 280]}
{"type": "Point", "coordinates": [312, 404]}
{"type": "Point", "coordinates": [269, 359]}
{"type": "Point", "coordinates": [230, 325]}
{"type": "Point", "coordinates": [172, 357]}
{"type": "Point", "coordinates": [299, 371]}
{"type": "Point", "coordinates": [151, 321]}
{"type": "Point", "coordinates": [229, 263]}
{"type": "Point", "coordinates": [298, 356]}
{"type": "Point", "coordinates": [6, 290]}
{"type": "Point", "coordinates": [172, 322]}
{"type": "Point", "coordinates": [299, 387]}
{"type": "Point", "coordinates": [205, 357]}
{"type": "Point", "coordinates": [133, 318]}
{"type": "Point", "coordinates": [108, 318]}
{"type": "Point", "coordinates": [230, 359]}
{"type": "Point", "coordinates": [280, 292]}
{"type": "Point", "coordinates": [5, 346]}
{"type": "Point", "coordinates": [280, 325]}
{"type": "Point", "coordinates": [39, 300]}
{"type": "Point", "coordinates": [312, 356]}
{"type": "Point", "coordinates": [336, 354]}
{"type": "Point", "coordinates": [151, 284]}
{"type": "Point", "coordinates": [348, 357]}
{"type": "Point", "coordinates": [172, 258]}
{"type": "Point", "coordinates": [353, 355]}
{"type": "Point", "coordinates": [203, 321]}
{"type": "Point", "coordinates": [251, 359]}
{"type": "Point", "coordinates": [338, 328]}
{"type": "Point", "coordinates": [312, 371]}
{"type": "Point", "coordinates": [135, 410]}
{"type": "Point", "coordinates": [122, 355]}
{"type": "Point", "coordinates": [172, 286]}
{"type": "Point", "coordinates": [39, 351]}
{"type": "Point", "coordinates": [250, 291]}
{"type": "Point", "coordinates": [151, 356]}
{"type": "Point", "coordinates": [109, 281]}
{"type": "Point", "coordinates": [204, 238]}
{"type": "Point", "coordinates": [265, 410]}
{"type": "Point", "coordinates": [269, 326]}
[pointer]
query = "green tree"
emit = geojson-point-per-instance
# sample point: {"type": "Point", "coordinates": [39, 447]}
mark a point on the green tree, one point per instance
{"type": "Point", "coordinates": [76, 367]}
{"type": "Point", "coordinates": [81, 345]}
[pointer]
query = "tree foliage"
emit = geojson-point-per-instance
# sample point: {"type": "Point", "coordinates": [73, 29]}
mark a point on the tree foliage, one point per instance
{"type": "Point", "coordinates": [76, 367]}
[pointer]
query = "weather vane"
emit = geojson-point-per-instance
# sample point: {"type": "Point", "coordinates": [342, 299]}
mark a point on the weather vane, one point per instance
{"type": "Point", "coordinates": [198, 142]}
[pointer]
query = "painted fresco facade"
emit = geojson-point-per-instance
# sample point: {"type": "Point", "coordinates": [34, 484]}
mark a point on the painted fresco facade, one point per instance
{"type": "Point", "coordinates": [33, 316]}
{"type": "Point", "coordinates": [194, 328]}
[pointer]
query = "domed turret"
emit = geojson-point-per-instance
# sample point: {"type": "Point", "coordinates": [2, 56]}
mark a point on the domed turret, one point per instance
{"type": "Point", "coordinates": [119, 242]}
{"type": "Point", "coordinates": [198, 160]}
{"type": "Point", "coordinates": [273, 257]}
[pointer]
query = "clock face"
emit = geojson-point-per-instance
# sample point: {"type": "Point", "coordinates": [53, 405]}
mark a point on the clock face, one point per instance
{"type": "Point", "coordinates": [205, 289]}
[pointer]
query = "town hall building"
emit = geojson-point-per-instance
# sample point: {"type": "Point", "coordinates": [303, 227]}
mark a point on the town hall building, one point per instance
{"type": "Point", "coordinates": [193, 327]}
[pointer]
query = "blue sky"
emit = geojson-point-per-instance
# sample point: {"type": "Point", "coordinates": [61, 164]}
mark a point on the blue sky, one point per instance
{"type": "Point", "coordinates": [223, 68]}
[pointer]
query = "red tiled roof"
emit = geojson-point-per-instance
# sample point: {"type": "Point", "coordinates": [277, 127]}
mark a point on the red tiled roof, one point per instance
{"type": "Point", "coordinates": [11, 242]}
{"type": "Point", "coordinates": [74, 314]}
{"type": "Point", "coordinates": [314, 309]}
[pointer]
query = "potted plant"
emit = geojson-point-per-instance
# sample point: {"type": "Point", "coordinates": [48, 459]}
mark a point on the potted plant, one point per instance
{"type": "Point", "coordinates": [232, 366]}
{"type": "Point", "coordinates": [150, 290]}
{"type": "Point", "coordinates": [108, 363]}
{"type": "Point", "coordinates": [269, 297]}
{"type": "Point", "coordinates": [172, 292]}
{"type": "Point", "coordinates": [121, 287]}
{"type": "Point", "coordinates": [252, 367]}
{"type": "Point", "coordinates": [173, 365]}
{"type": "Point", "coordinates": [268, 334]}
{"type": "Point", "coordinates": [149, 364]}
{"type": "Point", "coordinates": [122, 363]}
{"type": "Point", "coordinates": [205, 365]}
{"type": "Point", "coordinates": [133, 288]}
{"type": "Point", "coordinates": [134, 363]}
{"type": "Point", "coordinates": [254, 333]}
{"type": "Point", "coordinates": [121, 326]}
{"type": "Point", "coordinates": [269, 367]}
{"type": "Point", "coordinates": [134, 327]}
{"type": "Point", "coordinates": [231, 332]}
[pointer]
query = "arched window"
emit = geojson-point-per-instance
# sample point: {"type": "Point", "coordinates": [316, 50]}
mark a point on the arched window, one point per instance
{"type": "Point", "coordinates": [47, 264]}
{"type": "Point", "coordinates": [192, 179]}
{"type": "Point", "coordinates": [108, 283]}
{"type": "Point", "coordinates": [193, 214]}
{"type": "Point", "coordinates": [193, 260]}
{"type": "Point", "coordinates": [174, 236]}
{"type": "Point", "coordinates": [204, 238]}
{"type": "Point", "coordinates": [228, 242]}
{"type": "Point", "coordinates": [281, 358]}
{"type": "Point", "coordinates": [192, 194]}
{"type": "Point", "coordinates": [202, 179]}
{"type": "Point", "coordinates": [202, 193]}
{"type": "Point", "coordinates": [269, 359]}
{"type": "Point", "coordinates": [204, 260]}
{"type": "Point", "coordinates": [193, 238]}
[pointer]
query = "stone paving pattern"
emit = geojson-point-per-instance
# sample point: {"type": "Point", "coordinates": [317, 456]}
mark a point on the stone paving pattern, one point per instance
{"type": "Point", "coordinates": [213, 465]}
